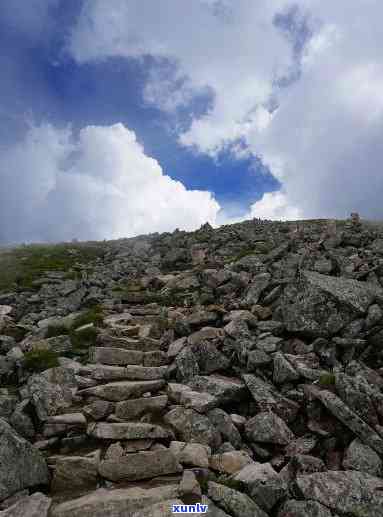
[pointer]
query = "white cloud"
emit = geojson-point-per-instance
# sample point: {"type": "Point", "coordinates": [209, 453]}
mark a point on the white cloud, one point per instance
{"type": "Point", "coordinates": [324, 140]}
{"type": "Point", "coordinates": [274, 206]}
{"type": "Point", "coordinates": [98, 184]}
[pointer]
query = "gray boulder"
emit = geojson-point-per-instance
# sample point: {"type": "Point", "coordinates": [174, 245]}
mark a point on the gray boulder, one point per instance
{"type": "Point", "coordinates": [36, 505]}
{"type": "Point", "coordinates": [349, 492]}
{"type": "Point", "coordinates": [22, 466]}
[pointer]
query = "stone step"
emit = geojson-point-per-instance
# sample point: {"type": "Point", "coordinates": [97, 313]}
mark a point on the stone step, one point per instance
{"type": "Point", "coordinates": [61, 424]}
{"type": "Point", "coordinates": [144, 344]}
{"type": "Point", "coordinates": [121, 502]}
{"type": "Point", "coordinates": [134, 408]}
{"type": "Point", "coordinates": [102, 372]}
{"type": "Point", "coordinates": [140, 465]}
{"type": "Point", "coordinates": [118, 391]}
{"type": "Point", "coordinates": [127, 431]}
{"type": "Point", "coordinates": [115, 356]}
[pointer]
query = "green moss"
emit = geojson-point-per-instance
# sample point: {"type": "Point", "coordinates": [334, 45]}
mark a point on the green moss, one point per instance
{"type": "Point", "coordinates": [234, 484]}
{"type": "Point", "coordinates": [39, 360]}
{"type": "Point", "coordinates": [21, 266]}
{"type": "Point", "coordinates": [56, 330]}
{"type": "Point", "coordinates": [84, 338]}
{"type": "Point", "coordinates": [327, 379]}
{"type": "Point", "coordinates": [93, 315]}
{"type": "Point", "coordinates": [204, 479]}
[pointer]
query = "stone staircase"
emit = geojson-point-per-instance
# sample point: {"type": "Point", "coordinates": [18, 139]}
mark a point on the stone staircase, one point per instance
{"type": "Point", "coordinates": [113, 435]}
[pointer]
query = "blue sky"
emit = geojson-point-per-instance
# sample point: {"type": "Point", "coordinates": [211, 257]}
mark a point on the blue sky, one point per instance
{"type": "Point", "coordinates": [249, 110]}
{"type": "Point", "coordinates": [110, 92]}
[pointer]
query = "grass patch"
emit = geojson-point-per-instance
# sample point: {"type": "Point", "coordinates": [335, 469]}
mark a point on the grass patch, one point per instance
{"type": "Point", "coordinates": [83, 339]}
{"type": "Point", "coordinates": [41, 359]}
{"type": "Point", "coordinates": [56, 330]}
{"type": "Point", "coordinates": [327, 379]}
{"type": "Point", "coordinates": [93, 315]}
{"type": "Point", "coordinates": [234, 484]}
{"type": "Point", "coordinates": [21, 266]}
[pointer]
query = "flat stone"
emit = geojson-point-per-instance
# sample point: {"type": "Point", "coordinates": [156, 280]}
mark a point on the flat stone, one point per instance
{"type": "Point", "coordinates": [162, 509]}
{"type": "Point", "coordinates": [117, 391]}
{"type": "Point", "coordinates": [127, 431]}
{"type": "Point", "coordinates": [142, 465]}
{"type": "Point", "coordinates": [145, 373]}
{"type": "Point", "coordinates": [36, 505]}
{"type": "Point", "coordinates": [74, 473]}
{"type": "Point", "coordinates": [115, 356]}
{"type": "Point", "coordinates": [103, 372]}
{"type": "Point", "coordinates": [294, 508]}
{"type": "Point", "coordinates": [60, 424]}
{"type": "Point", "coordinates": [121, 502]}
{"type": "Point", "coordinates": [347, 492]}
{"type": "Point", "coordinates": [134, 408]}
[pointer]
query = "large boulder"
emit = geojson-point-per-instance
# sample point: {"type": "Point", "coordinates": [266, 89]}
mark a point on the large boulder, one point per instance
{"type": "Point", "coordinates": [349, 492]}
{"type": "Point", "coordinates": [322, 305]}
{"type": "Point", "coordinates": [22, 466]}
{"type": "Point", "coordinates": [191, 426]}
{"type": "Point", "coordinates": [51, 391]}
{"type": "Point", "coordinates": [36, 505]}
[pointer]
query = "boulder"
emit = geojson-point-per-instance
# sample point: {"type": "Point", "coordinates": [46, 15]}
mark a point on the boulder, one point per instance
{"type": "Point", "coordinates": [234, 502]}
{"type": "Point", "coordinates": [74, 474]}
{"type": "Point", "coordinates": [347, 492]}
{"type": "Point", "coordinates": [267, 427]}
{"type": "Point", "coordinates": [22, 465]}
{"type": "Point", "coordinates": [361, 457]}
{"type": "Point", "coordinates": [190, 426]}
{"type": "Point", "coordinates": [36, 505]}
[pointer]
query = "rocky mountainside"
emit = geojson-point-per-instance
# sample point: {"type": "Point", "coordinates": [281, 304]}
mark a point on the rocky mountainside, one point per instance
{"type": "Point", "coordinates": [239, 368]}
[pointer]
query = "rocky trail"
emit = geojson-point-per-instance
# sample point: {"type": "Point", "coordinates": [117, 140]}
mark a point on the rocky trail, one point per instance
{"type": "Point", "coordinates": [239, 368]}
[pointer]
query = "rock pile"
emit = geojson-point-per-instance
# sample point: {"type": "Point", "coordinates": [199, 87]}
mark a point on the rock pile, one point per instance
{"type": "Point", "coordinates": [241, 368]}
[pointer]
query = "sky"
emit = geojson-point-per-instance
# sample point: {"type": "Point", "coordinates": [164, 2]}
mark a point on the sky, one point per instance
{"type": "Point", "coordinates": [127, 117]}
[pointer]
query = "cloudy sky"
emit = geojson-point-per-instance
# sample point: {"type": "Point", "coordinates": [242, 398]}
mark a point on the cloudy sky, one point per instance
{"type": "Point", "coordinates": [124, 117]}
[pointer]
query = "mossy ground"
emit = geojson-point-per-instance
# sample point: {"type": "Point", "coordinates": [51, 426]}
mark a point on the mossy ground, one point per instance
{"type": "Point", "coordinates": [40, 360]}
{"type": "Point", "coordinates": [21, 266]}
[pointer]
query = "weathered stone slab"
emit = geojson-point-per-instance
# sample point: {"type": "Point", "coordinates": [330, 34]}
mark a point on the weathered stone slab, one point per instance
{"type": "Point", "coordinates": [117, 391]}
{"type": "Point", "coordinates": [116, 503]}
{"type": "Point", "coordinates": [127, 431]}
{"type": "Point", "coordinates": [142, 465]}
{"type": "Point", "coordinates": [134, 408]}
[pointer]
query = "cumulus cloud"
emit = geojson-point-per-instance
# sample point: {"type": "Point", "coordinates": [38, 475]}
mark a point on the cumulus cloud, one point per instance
{"type": "Point", "coordinates": [274, 205]}
{"type": "Point", "coordinates": [300, 85]}
{"type": "Point", "coordinates": [96, 184]}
